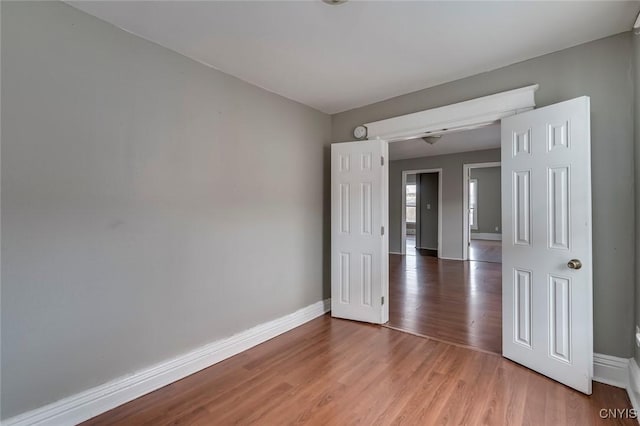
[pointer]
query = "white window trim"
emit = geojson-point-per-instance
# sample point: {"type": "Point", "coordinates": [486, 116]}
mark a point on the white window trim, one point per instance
{"type": "Point", "coordinates": [410, 205]}
{"type": "Point", "coordinates": [407, 205]}
{"type": "Point", "coordinates": [474, 227]}
{"type": "Point", "coordinates": [466, 169]}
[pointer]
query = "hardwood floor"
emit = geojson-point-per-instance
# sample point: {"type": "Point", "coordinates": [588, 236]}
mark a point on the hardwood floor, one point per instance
{"type": "Point", "coordinates": [485, 251]}
{"type": "Point", "coordinates": [336, 372]}
{"type": "Point", "coordinates": [410, 245]}
{"type": "Point", "coordinates": [455, 301]}
{"type": "Point", "coordinates": [411, 250]}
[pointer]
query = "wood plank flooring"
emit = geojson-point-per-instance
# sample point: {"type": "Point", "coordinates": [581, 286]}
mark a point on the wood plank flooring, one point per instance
{"type": "Point", "coordinates": [485, 251]}
{"type": "Point", "coordinates": [336, 372]}
{"type": "Point", "coordinates": [455, 301]}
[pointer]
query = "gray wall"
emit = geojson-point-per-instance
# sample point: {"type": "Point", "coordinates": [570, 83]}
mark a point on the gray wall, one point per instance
{"type": "Point", "coordinates": [428, 222]}
{"type": "Point", "coordinates": [636, 79]}
{"type": "Point", "coordinates": [489, 200]}
{"type": "Point", "coordinates": [150, 204]}
{"type": "Point", "coordinates": [451, 196]}
{"type": "Point", "coordinates": [602, 70]}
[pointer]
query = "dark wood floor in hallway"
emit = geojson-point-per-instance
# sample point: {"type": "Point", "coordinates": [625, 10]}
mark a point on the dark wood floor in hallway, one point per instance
{"type": "Point", "coordinates": [485, 251]}
{"type": "Point", "coordinates": [337, 372]}
{"type": "Point", "coordinates": [458, 302]}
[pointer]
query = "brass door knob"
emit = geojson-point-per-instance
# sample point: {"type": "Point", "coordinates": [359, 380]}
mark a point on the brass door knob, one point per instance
{"type": "Point", "coordinates": [574, 264]}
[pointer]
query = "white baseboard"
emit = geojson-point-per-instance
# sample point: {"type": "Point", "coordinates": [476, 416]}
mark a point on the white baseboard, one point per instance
{"type": "Point", "coordinates": [395, 252]}
{"type": "Point", "coordinates": [486, 236]}
{"type": "Point", "coordinates": [85, 405]}
{"type": "Point", "coordinates": [427, 248]}
{"type": "Point", "coordinates": [611, 370]}
{"type": "Point", "coordinates": [449, 258]}
{"type": "Point", "coordinates": [620, 372]}
{"type": "Point", "coordinates": [633, 390]}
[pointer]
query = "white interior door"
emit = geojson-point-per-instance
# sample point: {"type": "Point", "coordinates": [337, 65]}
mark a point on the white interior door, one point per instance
{"type": "Point", "coordinates": [359, 231]}
{"type": "Point", "coordinates": [547, 269]}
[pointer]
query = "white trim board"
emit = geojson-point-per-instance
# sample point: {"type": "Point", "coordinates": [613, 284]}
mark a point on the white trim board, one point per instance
{"type": "Point", "coordinates": [611, 370]}
{"type": "Point", "coordinates": [490, 236]}
{"type": "Point", "coordinates": [90, 403]}
{"type": "Point", "coordinates": [620, 372]}
{"type": "Point", "coordinates": [633, 389]}
{"type": "Point", "coordinates": [466, 115]}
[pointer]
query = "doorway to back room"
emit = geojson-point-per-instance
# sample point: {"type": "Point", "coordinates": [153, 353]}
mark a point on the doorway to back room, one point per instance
{"type": "Point", "coordinates": [483, 232]}
{"type": "Point", "coordinates": [436, 293]}
{"type": "Point", "coordinates": [422, 219]}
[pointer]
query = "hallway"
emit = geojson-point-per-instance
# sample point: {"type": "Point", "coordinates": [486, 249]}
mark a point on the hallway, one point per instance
{"type": "Point", "coordinates": [454, 301]}
{"type": "Point", "coordinates": [485, 251]}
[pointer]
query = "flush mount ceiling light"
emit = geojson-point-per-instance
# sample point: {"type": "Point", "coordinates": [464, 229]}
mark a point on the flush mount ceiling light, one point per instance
{"type": "Point", "coordinates": [334, 2]}
{"type": "Point", "coordinates": [431, 139]}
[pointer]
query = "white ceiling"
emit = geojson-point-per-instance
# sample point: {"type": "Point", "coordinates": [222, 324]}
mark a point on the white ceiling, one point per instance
{"type": "Point", "coordinates": [335, 58]}
{"type": "Point", "coordinates": [487, 137]}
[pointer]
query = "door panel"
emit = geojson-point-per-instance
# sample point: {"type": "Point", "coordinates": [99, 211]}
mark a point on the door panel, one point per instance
{"type": "Point", "coordinates": [359, 231]}
{"type": "Point", "coordinates": [547, 306]}
{"type": "Point", "coordinates": [522, 213]}
{"type": "Point", "coordinates": [522, 307]}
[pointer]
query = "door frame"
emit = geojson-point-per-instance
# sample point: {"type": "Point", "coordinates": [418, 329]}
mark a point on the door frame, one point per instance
{"type": "Point", "coordinates": [470, 114]}
{"type": "Point", "coordinates": [474, 113]}
{"type": "Point", "coordinates": [404, 207]}
{"type": "Point", "coordinates": [425, 122]}
{"type": "Point", "coordinates": [466, 169]}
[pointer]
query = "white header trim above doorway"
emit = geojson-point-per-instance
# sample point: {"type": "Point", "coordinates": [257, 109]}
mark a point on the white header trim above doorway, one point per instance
{"type": "Point", "coordinates": [465, 115]}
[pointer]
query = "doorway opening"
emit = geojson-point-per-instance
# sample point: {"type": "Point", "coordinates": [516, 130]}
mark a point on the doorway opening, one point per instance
{"type": "Point", "coordinates": [546, 206]}
{"type": "Point", "coordinates": [411, 216]}
{"type": "Point", "coordinates": [435, 293]}
{"type": "Point", "coordinates": [421, 208]}
{"type": "Point", "coordinates": [482, 225]}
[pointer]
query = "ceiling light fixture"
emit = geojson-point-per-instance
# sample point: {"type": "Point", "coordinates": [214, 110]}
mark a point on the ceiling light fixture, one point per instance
{"type": "Point", "coordinates": [334, 2]}
{"type": "Point", "coordinates": [431, 139]}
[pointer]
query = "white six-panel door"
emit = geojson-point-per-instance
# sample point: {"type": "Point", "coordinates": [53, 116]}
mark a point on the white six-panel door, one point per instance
{"type": "Point", "coordinates": [546, 211]}
{"type": "Point", "coordinates": [359, 231]}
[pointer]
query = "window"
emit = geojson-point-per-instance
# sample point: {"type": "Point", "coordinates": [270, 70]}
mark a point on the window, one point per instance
{"type": "Point", "coordinates": [411, 203]}
{"type": "Point", "coordinates": [473, 203]}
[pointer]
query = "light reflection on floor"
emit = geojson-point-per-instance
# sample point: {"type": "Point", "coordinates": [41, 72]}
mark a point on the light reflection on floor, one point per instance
{"type": "Point", "coordinates": [456, 301]}
{"type": "Point", "coordinates": [410, 245]}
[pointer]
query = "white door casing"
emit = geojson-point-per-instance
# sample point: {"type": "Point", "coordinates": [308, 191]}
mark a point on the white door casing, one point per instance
{"type": "Point", "coordinates": [360, 231]}
{"type": "Point", "coordinates": [546, 222]}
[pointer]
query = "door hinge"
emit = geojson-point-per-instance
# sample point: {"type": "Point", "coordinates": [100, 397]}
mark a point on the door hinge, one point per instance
{"type": "Point", "coordinates": [382, 300]}
{"type": "Point", "coordinates": [382, 230]}
{"type": "Point", "coordinates": [382, 161]}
